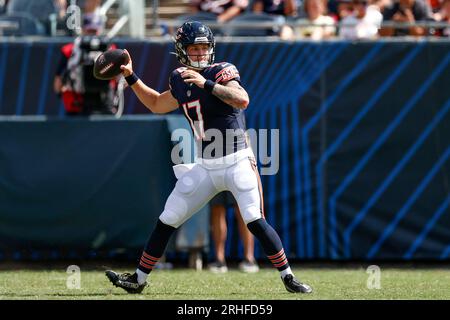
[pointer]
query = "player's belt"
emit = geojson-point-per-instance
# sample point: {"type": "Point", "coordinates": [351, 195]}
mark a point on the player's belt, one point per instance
{"type": "Point", "coordinates": [226, 161]}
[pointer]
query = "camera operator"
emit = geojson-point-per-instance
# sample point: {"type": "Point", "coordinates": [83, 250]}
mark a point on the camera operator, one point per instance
{"type": "Point", "coordinates": [82, 94]}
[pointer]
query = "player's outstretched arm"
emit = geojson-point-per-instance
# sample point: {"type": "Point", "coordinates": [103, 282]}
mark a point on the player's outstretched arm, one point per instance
{"type": "Point", "coordinates": [154, 101]}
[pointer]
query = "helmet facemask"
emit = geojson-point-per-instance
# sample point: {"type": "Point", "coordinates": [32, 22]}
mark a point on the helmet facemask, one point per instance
{"type": "Point", "coordinates": [200, 63]}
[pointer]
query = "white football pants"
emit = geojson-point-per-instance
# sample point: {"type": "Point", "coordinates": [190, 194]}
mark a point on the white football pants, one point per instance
{"type": "Point", "coordinates": [199, 182]}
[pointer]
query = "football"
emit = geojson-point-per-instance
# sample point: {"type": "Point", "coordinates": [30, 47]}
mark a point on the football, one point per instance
{"type": "Point", "coordinates": [107, 65]}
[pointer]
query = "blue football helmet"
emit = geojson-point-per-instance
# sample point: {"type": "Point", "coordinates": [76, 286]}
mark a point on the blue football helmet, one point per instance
{"type": "Point", "coordinates": [194, 32]}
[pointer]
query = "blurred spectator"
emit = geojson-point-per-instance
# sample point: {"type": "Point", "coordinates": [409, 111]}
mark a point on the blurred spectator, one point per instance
{"type": "Point", "coordinates": [219, 206]}
{"type": "Point", "coordinates": [61, 8]}
{"type": "Point", "coordinates": [319, 24]}
{"type": "Point", "coordinates": [91, 15]}
{"type": "Point", "coordinates": [443, 15]}
{"type": "Point", "coordinates": [435, 5]}
{"type": "Point", "coordinates": [3, 4]}
{"type": "Point", "coordinates": [380, 5]}
{"type": "Point", "coordinates": [407, 11]}
{"type": "Point", "coordinates": [281, 8]}
{"type": "Point", "coordinates": [81, 93]}
{"type": "Point", "coordinates": [363, 22]}
{"type": "Point", "coordinates": [344, 9]}
{"type": "Point", "coordinates": [225, 10]}
{"type": "Point", "coordinates": [287, 8]}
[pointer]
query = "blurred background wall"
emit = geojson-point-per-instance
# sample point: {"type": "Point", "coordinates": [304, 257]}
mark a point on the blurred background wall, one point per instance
{"type": "Point", "coordinates": [364, 151]}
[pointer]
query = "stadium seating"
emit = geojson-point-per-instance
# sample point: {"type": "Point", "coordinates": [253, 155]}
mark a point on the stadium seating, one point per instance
{"type": "Point", "coordinates": [204, 17]}
{"type": "Point", "coordinates": [2, 7]}
{"type": "Point", "coordinates": [233, 30]}
{"type": "Point", "coordinates": [26, 25]}
{"type": "Point", "coordinates": [39, 9]}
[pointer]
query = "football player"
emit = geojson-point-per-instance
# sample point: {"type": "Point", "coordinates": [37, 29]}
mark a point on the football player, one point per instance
{"type": "Point", "coordinates": [212, 99]}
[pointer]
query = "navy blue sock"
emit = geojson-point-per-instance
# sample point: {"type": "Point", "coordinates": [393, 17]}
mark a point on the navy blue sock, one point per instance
{"type": "Point", "coordinates": [271, 243]}
{"type": "Point", "coordinates": [155, 246]}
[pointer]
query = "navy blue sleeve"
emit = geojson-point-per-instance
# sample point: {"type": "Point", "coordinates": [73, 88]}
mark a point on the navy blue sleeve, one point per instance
{"type": "Point", "coordinates": [175, 81]}
{"type": "Point", "coordinates": [172, 84]}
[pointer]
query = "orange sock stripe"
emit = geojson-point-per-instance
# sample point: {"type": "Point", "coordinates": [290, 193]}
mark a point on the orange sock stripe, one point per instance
{"type": "Point", "coordinates": [279, 259]}
{"type": "Point", "coordinates": [280, 264]}
{"type": "Point", "coordinates": [275, 256]}
{"type": "Point", "coordinates": [147, 266]}
{"type": "Point", "coordinates": [150, 262]}
{"type": "Point", "coordinates": [150, 257]}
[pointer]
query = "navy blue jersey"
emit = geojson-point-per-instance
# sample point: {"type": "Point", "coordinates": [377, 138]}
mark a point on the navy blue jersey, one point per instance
{"type": "Point", "coordinates": [204, 111]}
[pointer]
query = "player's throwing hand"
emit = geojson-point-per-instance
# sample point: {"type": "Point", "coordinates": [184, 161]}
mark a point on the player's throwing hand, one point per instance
{"type": "Point", "coordinates": [192, 76]}
{"type": "Point", "coordinates": [127, 70]}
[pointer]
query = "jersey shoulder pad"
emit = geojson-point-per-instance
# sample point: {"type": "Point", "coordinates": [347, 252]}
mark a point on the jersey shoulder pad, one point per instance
{"type": "Point", "coordinates": [225, 71]}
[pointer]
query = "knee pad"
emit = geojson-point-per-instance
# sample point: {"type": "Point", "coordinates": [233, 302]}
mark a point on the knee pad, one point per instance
{"type": "Point", "coordinates": [175, 211]}
{"type": "Point", "coordinates": [250, 214]}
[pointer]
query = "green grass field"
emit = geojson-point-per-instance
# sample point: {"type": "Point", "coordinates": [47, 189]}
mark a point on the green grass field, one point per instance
{"type": "Point", "coordinates": [184, 284]}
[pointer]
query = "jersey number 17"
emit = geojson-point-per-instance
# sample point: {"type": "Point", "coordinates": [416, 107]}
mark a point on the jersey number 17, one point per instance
{"type": "Point", "coordinates": [196, 124]}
